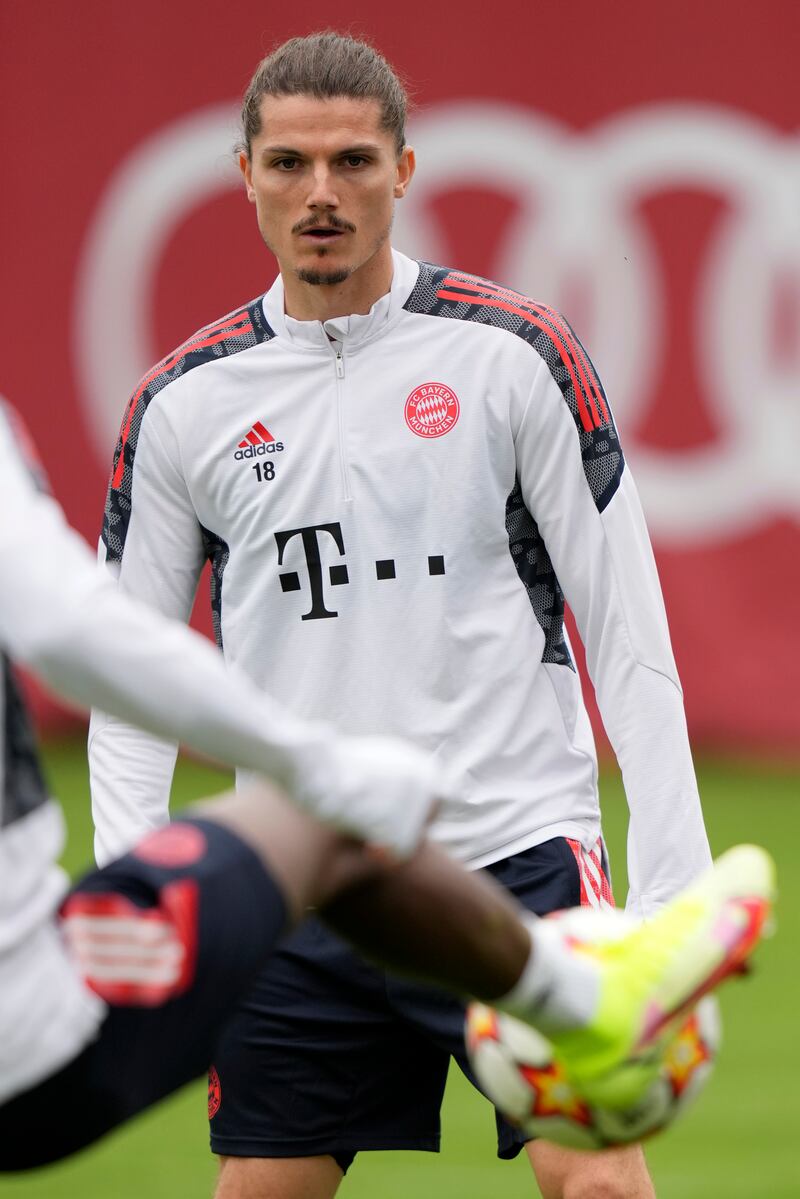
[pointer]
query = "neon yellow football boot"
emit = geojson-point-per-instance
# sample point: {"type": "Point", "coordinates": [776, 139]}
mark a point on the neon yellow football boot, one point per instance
{"type": "Point", "coordinates": [651, 976]}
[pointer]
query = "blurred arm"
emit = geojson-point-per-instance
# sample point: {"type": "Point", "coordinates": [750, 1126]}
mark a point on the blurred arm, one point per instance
{"type": "Point", "coordinates": [70, 624]}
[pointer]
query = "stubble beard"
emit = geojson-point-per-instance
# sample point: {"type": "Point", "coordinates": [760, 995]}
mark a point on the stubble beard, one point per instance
{"type": "Point", "coordinates": [319, 278]}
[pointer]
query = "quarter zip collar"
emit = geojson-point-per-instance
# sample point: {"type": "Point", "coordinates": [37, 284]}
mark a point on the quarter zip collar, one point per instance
{"type": "Point", "coordinates": [354, 330]}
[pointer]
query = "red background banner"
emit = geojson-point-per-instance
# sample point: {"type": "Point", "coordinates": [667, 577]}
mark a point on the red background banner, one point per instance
{"type": "Point", "coordinates": [636, 165]}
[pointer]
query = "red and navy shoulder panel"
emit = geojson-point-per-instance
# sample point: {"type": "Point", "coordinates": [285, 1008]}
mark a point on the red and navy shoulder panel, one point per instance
{"type": "Point", "coordinates": [239, 330]}
{"type": "Point", "coordinates": [443, 292]}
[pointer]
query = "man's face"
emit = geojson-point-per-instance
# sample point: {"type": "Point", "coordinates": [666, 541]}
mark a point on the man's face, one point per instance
{"type": "Point", "coordinates": [324, 176]}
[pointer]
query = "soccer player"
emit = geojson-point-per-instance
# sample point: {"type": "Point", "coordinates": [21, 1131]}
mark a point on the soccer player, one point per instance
{"type": "Point", "coordinates": [121, 999]}
{"type": "Point", "coordinates": [398, 472]}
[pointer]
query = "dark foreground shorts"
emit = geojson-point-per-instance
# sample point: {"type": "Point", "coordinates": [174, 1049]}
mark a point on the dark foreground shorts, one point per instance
{"type": "Point", "coordinates": [329, 1055]}
{"type": "Point", "coordinates": [196, 884]}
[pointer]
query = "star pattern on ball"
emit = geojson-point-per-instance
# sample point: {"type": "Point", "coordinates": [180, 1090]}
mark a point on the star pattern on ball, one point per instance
{"type": "Point", "coordinates": [553, 1093]}
{"type": "Point", "coordinates": [686, 1053]}
{"type": "Point", "coordinates": [483, 1025]}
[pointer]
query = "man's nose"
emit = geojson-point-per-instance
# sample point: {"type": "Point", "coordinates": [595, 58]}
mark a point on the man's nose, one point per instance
{"type": "Point", "coordinates": [322, 193]}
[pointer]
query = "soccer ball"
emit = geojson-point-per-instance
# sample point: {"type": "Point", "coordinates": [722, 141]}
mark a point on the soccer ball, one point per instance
{"type": "Point", "coordinates": [515, 1066]}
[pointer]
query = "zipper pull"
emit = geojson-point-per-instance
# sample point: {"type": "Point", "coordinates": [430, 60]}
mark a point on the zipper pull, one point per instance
{"type": "Point", "coordinates": [339, 365]}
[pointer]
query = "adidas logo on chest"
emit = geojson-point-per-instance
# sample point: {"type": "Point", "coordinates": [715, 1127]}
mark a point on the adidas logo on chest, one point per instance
{"type": "Point", "coordinates": [257, 442]}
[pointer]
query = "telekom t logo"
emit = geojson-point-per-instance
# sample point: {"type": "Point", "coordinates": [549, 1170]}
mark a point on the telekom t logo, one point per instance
{"type": "Point", "coordinates": [290, 580]}
{"type": "Point", "coordinates": [311, 538]}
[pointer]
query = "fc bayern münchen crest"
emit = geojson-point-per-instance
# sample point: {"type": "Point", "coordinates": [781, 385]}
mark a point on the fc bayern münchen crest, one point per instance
{"type": "Point", "coordinates": [432, 410]}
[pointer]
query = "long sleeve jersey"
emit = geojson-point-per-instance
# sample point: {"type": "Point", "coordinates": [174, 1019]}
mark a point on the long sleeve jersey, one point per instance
{"type": "Point", "coordinates": [61, 617]}
{"type": "Point", "coordinates": [395, 506]}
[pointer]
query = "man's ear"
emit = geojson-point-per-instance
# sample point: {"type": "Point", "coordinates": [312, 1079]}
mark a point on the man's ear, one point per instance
{"type": "Point", "coordinates": [246, 167]}
{"type": "Point", "coordinates": [406, 165]}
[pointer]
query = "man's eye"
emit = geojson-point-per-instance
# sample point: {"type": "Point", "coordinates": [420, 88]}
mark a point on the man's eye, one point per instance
{"type": "Point", "coordinates": [355, 160]}
{"type": "Point", "coordinates": [285, 164]}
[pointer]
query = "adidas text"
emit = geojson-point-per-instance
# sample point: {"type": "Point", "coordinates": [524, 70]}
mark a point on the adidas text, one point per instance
{"type": "Point", "coordinates": [255, 451]}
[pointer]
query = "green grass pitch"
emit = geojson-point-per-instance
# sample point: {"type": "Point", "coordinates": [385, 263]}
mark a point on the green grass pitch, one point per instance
{"type": "Point", "coordinates": [741, 1140]}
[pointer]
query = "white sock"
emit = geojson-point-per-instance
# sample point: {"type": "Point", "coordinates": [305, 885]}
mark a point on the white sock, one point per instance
{"type": "Point", "coordinates": [558, 988]}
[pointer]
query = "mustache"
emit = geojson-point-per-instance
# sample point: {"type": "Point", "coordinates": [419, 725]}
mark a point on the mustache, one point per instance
{"type": "Point", "coordinates": [331, 221]}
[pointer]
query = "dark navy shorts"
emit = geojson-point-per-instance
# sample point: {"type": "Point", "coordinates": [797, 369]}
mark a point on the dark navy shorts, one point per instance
{"type": "Point", "coordinates": [330, 1055]}
{"type": "Point", "coordinates": [196, 885]}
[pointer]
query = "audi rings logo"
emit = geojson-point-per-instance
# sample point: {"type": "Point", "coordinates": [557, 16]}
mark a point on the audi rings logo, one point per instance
{"type": "Point", "coordinates": [578, 217]}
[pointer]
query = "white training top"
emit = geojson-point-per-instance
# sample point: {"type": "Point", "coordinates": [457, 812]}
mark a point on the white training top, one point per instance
{"type": "Point", "coordinates": [66, 620]}
{"type": "Point", "coordinates": [391, 505]}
